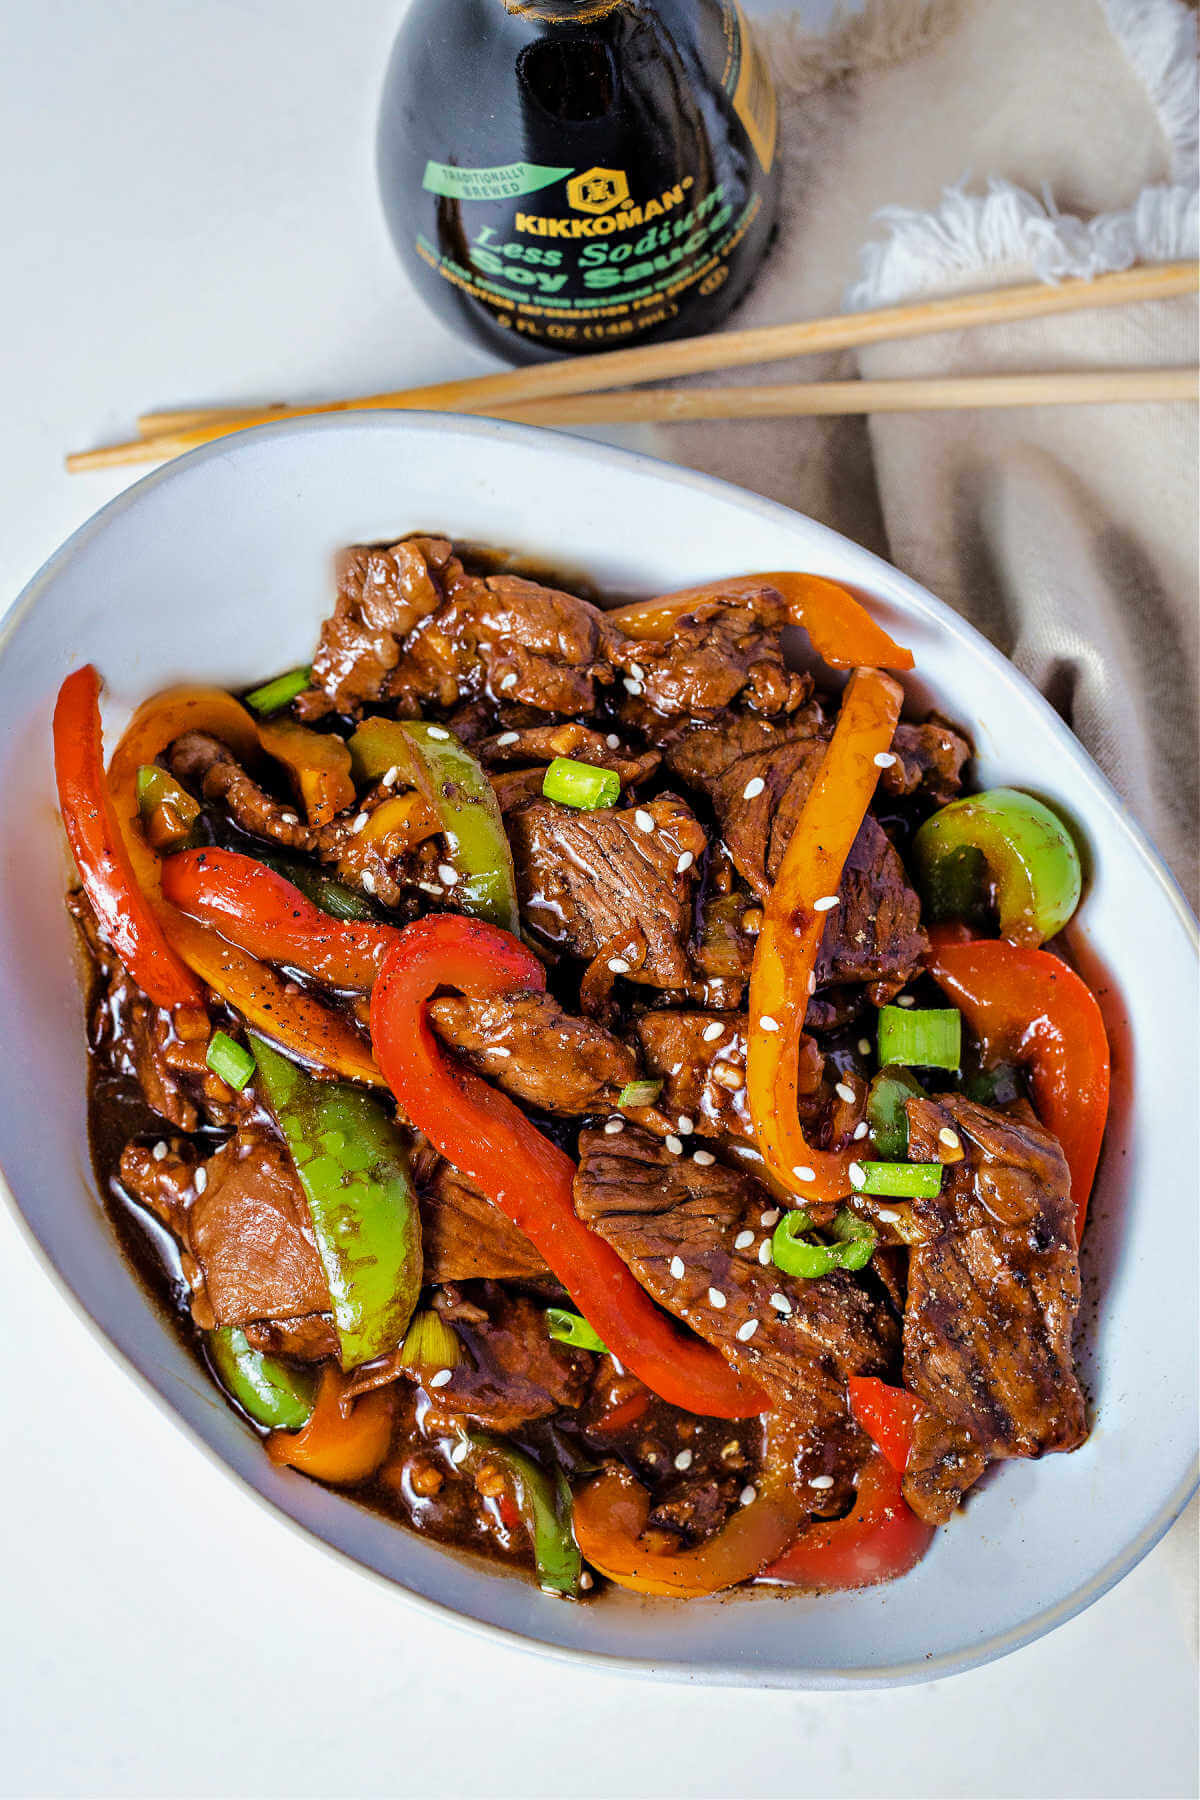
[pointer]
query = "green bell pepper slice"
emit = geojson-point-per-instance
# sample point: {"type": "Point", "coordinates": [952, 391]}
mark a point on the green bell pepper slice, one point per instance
{"type": "Point", "coordinates": [333, 897]}
{"type": "Point", "coordinates": [458, 789]}
{"type": "Point", "coordinates": [793, 1252]}
{"type": "Point", "coordinates": [545, 1503]}
{"type": "Point", "coordinates": [271, 1392]}
{"type": "Point", "coordinates": [1020, 845]}
{"type": "Point", "coordinates": [353, 1166]}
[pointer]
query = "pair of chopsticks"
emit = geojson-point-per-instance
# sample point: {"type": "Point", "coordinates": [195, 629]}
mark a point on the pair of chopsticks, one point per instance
{"type": "Point", "coordinates": [570, 392]}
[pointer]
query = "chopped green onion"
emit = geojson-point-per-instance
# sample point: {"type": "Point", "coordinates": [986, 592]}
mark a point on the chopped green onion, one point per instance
{"type": "Point", "coordinates": [231, 1061]}
{"type": "Point", "coordinates": [901, 1180]}
{"type": "Point", "coordinates": [580, 784]}
{"type": "Point", "coordinates": [271, 1392]}
{"type": "Point", "coordinates": [273, 695]}
{"type": "Point", "coordinates": [639, 1093]}
{"type": "Point", "coordinates": [430, 1343]}
{"type": "Point", "coordinates": [333, 897]}
{"type": "Point", "coordinates": [857, 1238]}
{"type": "Point", "coordinates": [929, 1039]}
{"type": "Point", "coordinates": [572, 1328]}
{"type": "Point", "coordinates": [888, 1121]}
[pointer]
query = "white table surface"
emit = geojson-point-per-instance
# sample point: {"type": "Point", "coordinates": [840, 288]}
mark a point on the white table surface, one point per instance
{"type": "Point", "coordinates": [189, 214]}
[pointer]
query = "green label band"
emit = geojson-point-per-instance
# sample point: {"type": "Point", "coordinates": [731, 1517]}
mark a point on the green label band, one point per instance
{"type": "Point", "coordinates": [499, 183]}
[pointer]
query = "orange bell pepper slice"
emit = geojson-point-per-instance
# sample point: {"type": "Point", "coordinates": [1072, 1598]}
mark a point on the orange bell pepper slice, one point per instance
{"type": "Point", "coordinates": [839, 627]}
{"type": "Point", "coordinates": [318, 763]}
{"type": "Point", "coordinates": [1029, 1007]}
{"type": "Point", "coordinates": [782, 974]}
{"type": "Point", "coordinates": [105, 866]}
{"type": "Point", "coordinates": [342, 1442]}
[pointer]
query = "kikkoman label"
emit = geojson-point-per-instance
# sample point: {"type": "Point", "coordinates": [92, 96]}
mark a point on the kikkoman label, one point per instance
{"type": "Point", "coordinates": [591, 257]}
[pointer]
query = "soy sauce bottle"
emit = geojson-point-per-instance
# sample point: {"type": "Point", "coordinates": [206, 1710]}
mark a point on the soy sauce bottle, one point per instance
{"type": "Point", "coordinates": [565, 176]}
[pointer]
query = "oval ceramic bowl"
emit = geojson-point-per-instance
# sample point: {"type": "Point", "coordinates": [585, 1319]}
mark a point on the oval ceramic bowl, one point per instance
{"type": "Point", "coordinates": [217, 569]}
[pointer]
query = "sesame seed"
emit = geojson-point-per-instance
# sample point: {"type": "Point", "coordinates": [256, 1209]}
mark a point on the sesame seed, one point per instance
{"type": "Point", "coordinates": [950, 1138]}
{"type": "Point", "coordinates": [712, 1032]}
{"type": "Point", "coordinates": [427, 887]}
{"type": "Point", "coordinates": [290, 818]}
{"type": "Point", "coordinates": [674, 1144]}
{"type": "Point", "coordinates": [460, 1452]}
{"type": "Point", "coordinates": [637, 671]}
{"type": "Point", "coordinates": [509, 737]}
{"type": "Point", "coordinates": [826, 903]}
{"type": "Point", "coordinates": [748, 1496]}
{"type": "Point", "coordinates": [769, 1218]}
{"type": "Point", "coordinates": [716, 1298]}
{"type": "Point", "coordinates": [685, 1124]}
{"type": "Point", "coordinates": [812, 983]}
{"type": "Point", "coordinates": [437, 731]}
{"type": "Point", "coordinates": [685, 862]}
{"type": "Point", "coordinates": [358, 824]}
{"type": "Point", "coordinates": [745, 1332]}
{"type": "Point", "coordinates": [159, 1150]}
{"type": "Point", "coordinates": [764, 1252]}
{"type": "Point", "coordinates": [367, 882]}
{"type": "Point", "coordinates": [643, 820]}
{"type": "Point", "coordinates": [614, 1127]}
{"type": "Point", "coordinates": [887, 1215]}
{"type": "Point", "coordinates": [440, 1379]}
{"type": "Point", "coordinates": [905, 1000]}
{"type": "Point", "coordinates": [618, 965]}
{"type": "Point", "coordinates": [844, 1091]}
{"type": "Point", "coordinates": [392, 776]}
{"type": "Point", "coordinates": [768, 1023]}
{"type": "Point", "coordinates": [860, 1131]}
{"type": "Point", "coordinates": [753, 788]}
{"type": "Point", "coordinates": [821, 1481]}
{"type": "Point", "coordinates": [498, 1050]}
{"type": "Point", "coordinates": [586, 1583]}
{"type": "Point", "coordinates": [802, 1172]}
{"type": "Point", "coordinates": [677, 1267]}
{"type": "Point", "coordinates": [864, 1046]}
{"type": "Point", "coordinates": [857, 1174]}
{"type": "Point", "coordinates": [631, 686]}
{"type": "Point", "coordinates": [704, 1158]}
{"type": "Point", "coordinates": [884, 759]}
{"type": "Point", "coordinates": [447, 875]}
{"type": "Point", "coordinates": [781, 1303]}
{"type": "Point", "coordinates": [743, 1240]}
{"type": "Point", "coordinates": [613, 741]}
{"type": "Point", "coordinates": [509, 680]}
{"type": "Point", "coordinates": [200, 1179]}
{"type": "Point", "coordinates": [683, 1460]}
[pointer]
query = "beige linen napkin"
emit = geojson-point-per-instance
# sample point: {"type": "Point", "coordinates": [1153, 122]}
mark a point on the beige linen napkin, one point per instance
{"type": "Point", "coordinates": [1068, 535]}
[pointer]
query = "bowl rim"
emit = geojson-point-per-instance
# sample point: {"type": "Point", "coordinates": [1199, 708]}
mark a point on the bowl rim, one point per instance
{"type": "Point", "coordinates": [933, 611]}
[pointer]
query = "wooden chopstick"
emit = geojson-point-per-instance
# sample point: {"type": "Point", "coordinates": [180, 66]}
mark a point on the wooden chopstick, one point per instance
{"type": "Point", "coordinates": [688, 356]}
{"type": "Point", "coordinates": [1103, 387]}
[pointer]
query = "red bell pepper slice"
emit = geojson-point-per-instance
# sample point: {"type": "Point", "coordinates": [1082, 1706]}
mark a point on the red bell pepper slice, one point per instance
{"type": "Point", "coordinates": [530, 1179]}
{"type": "Point", "coordinates": [105, 869]}
{"type": "Point", "coordinates": [880, 1539]}
{"type": "Point", "coordinates": [1029, 1007]}
{"type": "Point", "coordinates": [887, 1415]}
{"type": "Point", "coordinates": [262, 912]}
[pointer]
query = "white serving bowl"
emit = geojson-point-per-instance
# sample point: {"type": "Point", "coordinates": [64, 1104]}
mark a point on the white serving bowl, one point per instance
{"type": "Point", "coordinates": [217, 569]}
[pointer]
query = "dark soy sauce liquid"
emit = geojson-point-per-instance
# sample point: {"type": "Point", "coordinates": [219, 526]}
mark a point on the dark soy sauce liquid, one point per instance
{"type": "Point", "coordinates": [569, 176]}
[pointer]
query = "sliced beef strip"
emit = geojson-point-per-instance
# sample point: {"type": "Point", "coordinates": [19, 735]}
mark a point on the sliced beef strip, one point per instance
{"type": "Point", "coordinates": [691, 1233]}
{"type": "Point", "coordinates": [513, 1371]}
{"type": "Point", "coordinates": [700, 1058]}
{"type": "Point", "coordinates": [587, 880]}
{"type": "Point", "coordinates": [243, 1222]}
{"type": "Point", "coordinates": [929, 761]}
{"type": "Point", "coordinates": [411, 626]}
{"type": "Point", "coordinates": [993, 1295]}
{"type": "Point", "coordinates": [716, 654]}
{"type": "Point", "coordinates": [310, 1339]}
{"type": "Point", "coordinates": [535, 1051]}
{"type": "Point", "coordinates": [141, 1041]}
{"type": "Point", "coordinates": [874, 934]}
{"type": "Point", "coordinates": [542, 743]}
{"type": "Point", "coordinates": [465, 1237]}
